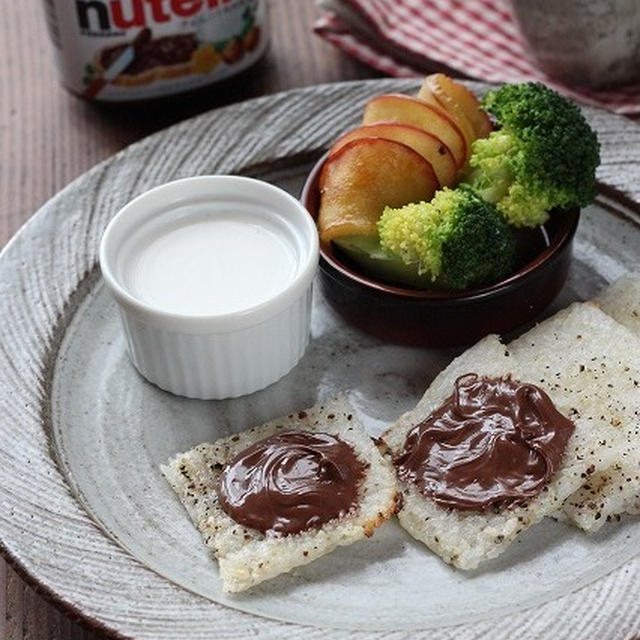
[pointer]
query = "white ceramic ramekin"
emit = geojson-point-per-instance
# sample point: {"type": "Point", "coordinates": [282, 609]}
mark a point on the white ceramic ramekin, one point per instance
{"type": "Point", "coordinates": [223, 354]}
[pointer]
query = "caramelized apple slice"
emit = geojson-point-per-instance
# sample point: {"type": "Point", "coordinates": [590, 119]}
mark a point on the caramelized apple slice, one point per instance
{"type": "Point", "coordinates": [453, 109]}
{"type": "Point", "coordinates": [396, 107]}
{"type": "Point", "coordinates": [364, 176]}
{"type": "Point", "coordinates": [449, 91]}
{"type": "Point", "coordinates": [431, 148]}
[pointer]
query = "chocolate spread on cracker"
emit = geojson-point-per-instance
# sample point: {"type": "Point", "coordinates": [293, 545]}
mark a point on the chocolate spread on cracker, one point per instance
{"type": "Point", "coordinates": [494, 442]}
{"type": "Point", "coordinates": [290, 482]}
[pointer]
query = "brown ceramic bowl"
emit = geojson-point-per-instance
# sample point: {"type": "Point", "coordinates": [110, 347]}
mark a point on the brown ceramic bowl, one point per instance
{"type": "Point", "coordinates": [445, 318]}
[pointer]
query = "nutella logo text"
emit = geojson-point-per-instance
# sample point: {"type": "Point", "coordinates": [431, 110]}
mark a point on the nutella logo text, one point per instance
{"type": "Point", "coordinates": [103, 15]}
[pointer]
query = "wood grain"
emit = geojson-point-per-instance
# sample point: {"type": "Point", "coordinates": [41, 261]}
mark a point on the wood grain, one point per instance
{"type": "Point", "coordinates": [49, 137]}
{"type": "Point", "coordinates": [45, 528]}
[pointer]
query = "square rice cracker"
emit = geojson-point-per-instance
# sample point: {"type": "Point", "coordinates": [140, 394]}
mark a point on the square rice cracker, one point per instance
{"type": "Point", "coordinates": [465, 539]}
{"type": "Point", "coordinates": [606, 377]}
{"type": "Point", "coordinates": [246, 556]}
{"type": "Point", "coordinates": [621, 301]}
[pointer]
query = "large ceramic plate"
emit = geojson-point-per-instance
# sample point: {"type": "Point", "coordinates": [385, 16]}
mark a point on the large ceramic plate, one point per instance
{"type": "Point", "coordinates": [84, 511]}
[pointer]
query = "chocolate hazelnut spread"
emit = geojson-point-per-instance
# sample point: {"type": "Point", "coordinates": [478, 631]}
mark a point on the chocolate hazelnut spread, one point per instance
{"type": "Point", "coordinates": [129, 50]}
{"type": "Point", "coordinates": [290, 482]}
{"type": "Point", "coordinates": [154, 53]}
{"type": "Point", "coordinates": [493, 443]}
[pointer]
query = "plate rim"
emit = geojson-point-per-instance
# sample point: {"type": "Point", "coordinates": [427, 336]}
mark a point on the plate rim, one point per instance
{"type": "Point", "coordinates": [341, 99]}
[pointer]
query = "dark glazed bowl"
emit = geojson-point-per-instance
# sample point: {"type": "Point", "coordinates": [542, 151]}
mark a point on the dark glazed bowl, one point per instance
{"type": "Point", "coordinates": [442, 318]}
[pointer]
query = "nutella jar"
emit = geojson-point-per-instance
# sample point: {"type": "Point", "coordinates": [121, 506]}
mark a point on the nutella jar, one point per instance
{"type": "Point", "coordinates": [122, 50]}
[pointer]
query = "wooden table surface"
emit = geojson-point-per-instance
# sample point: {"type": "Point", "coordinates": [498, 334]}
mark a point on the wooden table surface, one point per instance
{"type": "Point", "coordinates": [48, 137]}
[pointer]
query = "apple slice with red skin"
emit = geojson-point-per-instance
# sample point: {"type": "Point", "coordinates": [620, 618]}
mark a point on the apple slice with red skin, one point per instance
{"type": "Point", "coordinates": [443, 102]}
{"type": "Point", "coordinates": [363, 177]}
{"type": "Point", "coordinates": [454, 96]}
{"type": "Point", "coordinates": [431, 148]}
{"type": "Point", "coordinates": [397, 107]}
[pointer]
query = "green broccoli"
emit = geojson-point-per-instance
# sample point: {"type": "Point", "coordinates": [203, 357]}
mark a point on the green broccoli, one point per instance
{"type": "Point", "coordinates": [542, 156]}
{"type": "Point", "coordinates": [458, 239]}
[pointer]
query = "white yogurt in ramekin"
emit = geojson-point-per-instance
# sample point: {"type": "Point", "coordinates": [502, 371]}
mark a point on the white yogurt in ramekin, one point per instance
{"type": "Point", "coordinates": [213, 278]}
{"type": "Point", "coordinates": [213, 264]}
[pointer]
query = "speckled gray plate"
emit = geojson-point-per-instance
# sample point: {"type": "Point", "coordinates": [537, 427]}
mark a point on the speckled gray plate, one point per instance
{"type": "Point", "coordinates": [84, 511]}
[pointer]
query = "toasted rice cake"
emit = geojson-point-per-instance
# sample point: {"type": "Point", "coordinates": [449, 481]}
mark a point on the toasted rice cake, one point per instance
{"type": "Point", "coordinates": [468, 538]}
{"type": "Point", "coordinates": [246, 556]}
{"type": "Point", "coordinates": [621, 301]}
{"type": "Point", "coordinates": [606, 376]}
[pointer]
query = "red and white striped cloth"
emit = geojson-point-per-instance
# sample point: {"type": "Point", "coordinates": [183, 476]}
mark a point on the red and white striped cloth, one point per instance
{"type": "Point", "coordinates": [476, 38]}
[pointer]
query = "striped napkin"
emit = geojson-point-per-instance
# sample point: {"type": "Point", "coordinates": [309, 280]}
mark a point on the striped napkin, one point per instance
{"type": "Point", "coordinates": [473, 38]}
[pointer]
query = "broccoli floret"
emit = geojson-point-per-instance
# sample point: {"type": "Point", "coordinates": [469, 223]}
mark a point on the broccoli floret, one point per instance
{"type": "Point", "coordinates": [542, 156]}
{"type": "Point", "coordinates": [458, 239]}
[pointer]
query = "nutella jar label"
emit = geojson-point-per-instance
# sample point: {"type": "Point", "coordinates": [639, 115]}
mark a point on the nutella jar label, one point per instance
{"type": "Point", "coordinates": [119, 50]}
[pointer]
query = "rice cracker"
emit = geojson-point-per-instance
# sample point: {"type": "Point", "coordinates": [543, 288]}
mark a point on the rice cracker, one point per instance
{"type": "Point", "coordinates": [247, 556]}
{"type": "Point", "coordinates": [603, 372]}
{"type": "Point", "coordinates": [468, 538]}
